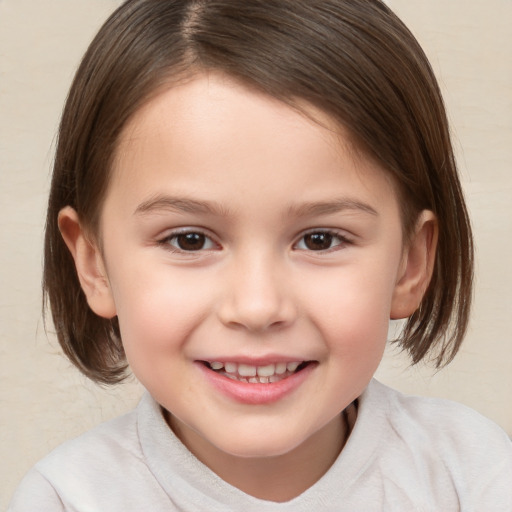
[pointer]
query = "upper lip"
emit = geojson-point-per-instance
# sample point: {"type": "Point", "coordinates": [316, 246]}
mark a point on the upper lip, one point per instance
{"type": "Point", "coordinates": [255, 361]}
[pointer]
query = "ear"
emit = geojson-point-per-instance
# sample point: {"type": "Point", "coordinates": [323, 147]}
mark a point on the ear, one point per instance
{"type": "Point", "coordinates": [416, 267]}
{"type": "Point", "coordinates": [89, 264]}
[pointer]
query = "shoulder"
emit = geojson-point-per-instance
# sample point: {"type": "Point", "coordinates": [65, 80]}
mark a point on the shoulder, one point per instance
{"type": "Point", "coordinates": [441, 421]}
{"type": "Point", "coordinates": [82, 468]}
{"type": "Point", "coordinates": [110, 443]}
{"type": "Point", "coordinates": [442, 446]}
{"type": "Point", "coordinates": [35, 490]}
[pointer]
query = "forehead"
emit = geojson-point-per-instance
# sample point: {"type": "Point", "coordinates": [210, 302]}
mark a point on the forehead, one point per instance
{"type": "Point", "coordinates": [213, 131]}
{"type": "Point", "coordinates": [190, 105]}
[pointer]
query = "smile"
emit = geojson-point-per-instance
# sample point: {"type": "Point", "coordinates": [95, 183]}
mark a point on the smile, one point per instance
{"type": "Point", "coordinates": [250, 374]}
{"type": "Point", "coordinates": [253, 384]}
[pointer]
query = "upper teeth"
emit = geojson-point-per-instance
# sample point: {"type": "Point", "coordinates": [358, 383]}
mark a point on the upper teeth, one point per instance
{"type": "Point", "coordinates": [247, 370]}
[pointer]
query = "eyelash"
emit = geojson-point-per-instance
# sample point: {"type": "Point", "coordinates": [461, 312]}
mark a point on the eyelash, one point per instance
{"type": "Point", "coordinates": [166, 242]}
{"type": "Point", "coordinates": [343, 240]}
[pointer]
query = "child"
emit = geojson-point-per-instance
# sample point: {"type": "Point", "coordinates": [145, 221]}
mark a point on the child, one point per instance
{"type": "Point", "coordinates": [244, 194]}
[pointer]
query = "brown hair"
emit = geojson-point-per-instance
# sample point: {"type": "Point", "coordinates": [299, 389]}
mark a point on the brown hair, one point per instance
{"type": "Point", "coordinates": [354, 59]}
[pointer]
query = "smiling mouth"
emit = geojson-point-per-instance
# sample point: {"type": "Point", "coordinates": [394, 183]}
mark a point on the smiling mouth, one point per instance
{"type": "Point", "coordinates": [249, 374]}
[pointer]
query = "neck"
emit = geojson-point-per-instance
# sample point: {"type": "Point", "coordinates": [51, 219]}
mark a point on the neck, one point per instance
{"type": "Point", "coordinates": [279, 478]}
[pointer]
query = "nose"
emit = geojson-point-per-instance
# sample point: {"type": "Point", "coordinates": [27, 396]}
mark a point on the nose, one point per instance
{"type": "Point", "coordinates": [257, 295]}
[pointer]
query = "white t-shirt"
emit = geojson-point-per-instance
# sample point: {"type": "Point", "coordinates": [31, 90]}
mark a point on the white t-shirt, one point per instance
{"type": "Point", "coordinates": [404, 454]}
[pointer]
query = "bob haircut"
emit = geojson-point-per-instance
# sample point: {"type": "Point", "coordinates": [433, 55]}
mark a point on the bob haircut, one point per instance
{"type": "Point", "coordinates": [353, 59]}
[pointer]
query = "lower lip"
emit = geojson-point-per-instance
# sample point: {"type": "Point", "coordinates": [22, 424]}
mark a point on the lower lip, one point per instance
{"type": "Point", "coordinates": [256, 394]}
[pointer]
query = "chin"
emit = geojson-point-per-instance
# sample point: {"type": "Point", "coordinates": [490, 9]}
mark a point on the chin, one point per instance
{"type": "Point", "coordinates": [258, 447]}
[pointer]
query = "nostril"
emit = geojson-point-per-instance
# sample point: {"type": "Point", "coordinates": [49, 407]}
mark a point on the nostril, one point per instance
{"type": "Point", "coordinates": [257, 302]}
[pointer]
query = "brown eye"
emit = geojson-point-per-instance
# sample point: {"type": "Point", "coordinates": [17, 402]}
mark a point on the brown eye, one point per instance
{"type": "Point", "coordinates": [322, 241]}
{"type": "Point", "coordinates": [190, 241]}
{"type": "Point", "coordinates": [318, 241]}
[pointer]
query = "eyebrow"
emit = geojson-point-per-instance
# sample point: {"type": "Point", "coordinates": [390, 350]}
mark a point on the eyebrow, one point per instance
{"type": "Point", "coordinates": [329, 207]}
{"type": "Point", "coordinates": [162, 203]}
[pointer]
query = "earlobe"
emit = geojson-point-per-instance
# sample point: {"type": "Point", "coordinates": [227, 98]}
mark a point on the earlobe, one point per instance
{"type": "Point", "coordinates": [88, 262]}
{"type": "Point", "coordinates": [416, 267]}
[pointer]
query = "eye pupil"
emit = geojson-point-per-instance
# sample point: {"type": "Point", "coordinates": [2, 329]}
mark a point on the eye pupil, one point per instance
{"type": "Point", "coordinates": [318, 241]}
{"type": "Point", "coordinates": [191, 241]}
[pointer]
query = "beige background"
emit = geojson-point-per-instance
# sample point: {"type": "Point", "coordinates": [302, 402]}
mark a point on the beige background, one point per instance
{"type": "Point", "coordinates": [44, 401]}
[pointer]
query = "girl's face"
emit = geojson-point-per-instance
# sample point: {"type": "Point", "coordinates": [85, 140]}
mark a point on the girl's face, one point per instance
{"type": "Point", "coordinates": [254, 261]}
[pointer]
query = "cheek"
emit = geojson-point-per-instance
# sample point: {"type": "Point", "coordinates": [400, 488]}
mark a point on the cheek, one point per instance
{"type": "Point", "coordinates": [352, 309]}
{"type": "Point", "coordinates": [157, 308]}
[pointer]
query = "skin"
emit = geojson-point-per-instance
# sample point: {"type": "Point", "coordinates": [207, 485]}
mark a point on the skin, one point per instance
{"type": "Point", "coordinates": [255, 291]}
